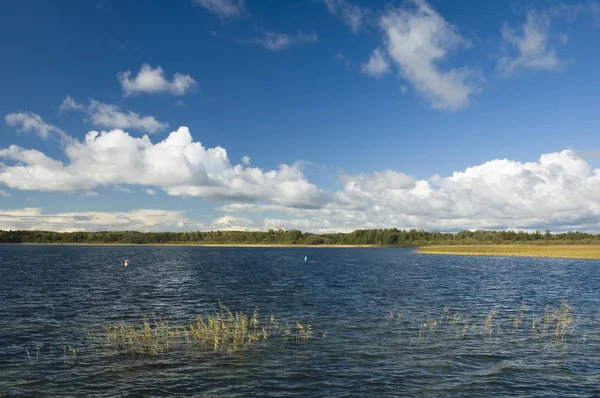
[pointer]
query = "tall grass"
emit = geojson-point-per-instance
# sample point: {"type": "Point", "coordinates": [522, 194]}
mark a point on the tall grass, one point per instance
{"type": "Point", "coordinates": [555, 327]}
{"type": "Point", "coordinates": [552, 251]}
{"type": "Point", "coordinates": [222, 332]}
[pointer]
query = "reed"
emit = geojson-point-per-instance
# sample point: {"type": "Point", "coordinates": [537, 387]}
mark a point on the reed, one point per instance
{"type": "Point", "coordinates": [554, 328]}
{"type": "Point", "coordinates": [222, 332]}
{"type": "Point", "coordinates": [552, 251]}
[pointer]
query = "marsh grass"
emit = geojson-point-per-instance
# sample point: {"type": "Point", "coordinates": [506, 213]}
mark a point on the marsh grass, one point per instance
{"type": "Point", "coordinates": [556, 327]}
{"type": "Point", "coordinates": [223, 332]}
{"type": "Point", "coordinates": [41, 352]}
{"type": "Point", "coordinates": [551, 251]}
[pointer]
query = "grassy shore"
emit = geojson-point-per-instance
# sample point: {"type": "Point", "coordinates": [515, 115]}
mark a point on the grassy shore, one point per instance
{"type": "Point", "coordinates": [551, 251]}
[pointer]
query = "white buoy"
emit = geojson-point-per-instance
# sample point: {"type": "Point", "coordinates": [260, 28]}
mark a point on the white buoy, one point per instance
{"type": "Point", "coordinates": [126, 263]}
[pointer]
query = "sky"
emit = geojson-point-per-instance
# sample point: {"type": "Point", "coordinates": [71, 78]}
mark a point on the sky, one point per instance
{"type": "Point", "coordinates": [318, 115]}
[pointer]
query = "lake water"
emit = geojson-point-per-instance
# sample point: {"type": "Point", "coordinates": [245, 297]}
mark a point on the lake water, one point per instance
{"type": "Point", "coordinates": [55, 295]}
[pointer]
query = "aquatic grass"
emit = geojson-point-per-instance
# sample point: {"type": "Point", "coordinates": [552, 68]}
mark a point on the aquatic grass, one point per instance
{"type": "Point", "coordinates": [518, 320]}
{"type": "Point", "coordinates": [488, 323]}
{"type": "Point", "coordinates": [45, 351]}
{"type": "Point", "coordinates": [151, 338]}
{"type": "Point", "coordinates": [554, 328]}
{"type": "Point", "coordinates": [222, 332]}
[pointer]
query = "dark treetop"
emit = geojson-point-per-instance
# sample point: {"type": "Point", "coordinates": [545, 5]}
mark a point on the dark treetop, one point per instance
{"type": "Point", "coordinates": [389, 237]}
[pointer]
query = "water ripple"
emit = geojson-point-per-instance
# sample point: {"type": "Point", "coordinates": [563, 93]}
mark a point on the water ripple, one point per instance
{"type": "Point", "coordinates": [53, 296]}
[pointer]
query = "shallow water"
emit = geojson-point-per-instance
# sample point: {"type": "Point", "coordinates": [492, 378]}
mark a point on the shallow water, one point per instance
{"type": "Point", "coordinates": [54, 295]}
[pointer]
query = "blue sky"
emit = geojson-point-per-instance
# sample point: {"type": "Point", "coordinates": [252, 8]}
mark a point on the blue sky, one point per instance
{"type": "Point", "coordinates": [353, 114]}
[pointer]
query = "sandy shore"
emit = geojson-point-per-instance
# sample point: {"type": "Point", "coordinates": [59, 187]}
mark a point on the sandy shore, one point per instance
{"type": "Point", "coordinates": [545, 251]}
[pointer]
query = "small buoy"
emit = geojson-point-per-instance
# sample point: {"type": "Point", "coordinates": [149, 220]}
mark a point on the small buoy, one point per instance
{"type": "Point", "coordinates": [305, 258]}
{"type": "Point", "coordinates": [126, 263]}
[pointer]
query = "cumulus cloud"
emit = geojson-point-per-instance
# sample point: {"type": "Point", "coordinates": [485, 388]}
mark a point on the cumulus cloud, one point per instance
{"type": "Point", "coordinates": [417, 39]}
{"type": "Point", "coordinates": [232, 223]}
{"type": "Point", "coordinates": [352, 15]}
{"type": "Point", "coordinates": [558, 192]}
{"type": "Point", "coordinates": [149, 80]}
{"type": "Point", "coordinates": [146, 220]}
{"type": "Point", "coordinates": [377, 65]}
{"type": "Point", "coordinates": [531, 43]}
{"type": "Point", "coordinates": [280, 41]}
{"type": "Point", "coordinates": [177, 165]}
{"type": "Point", "coordinates": [111, 116]}
{"type": "Point", "coordinates": [225, 9]}
{"type": "Point", "coordinates": [32, 122]}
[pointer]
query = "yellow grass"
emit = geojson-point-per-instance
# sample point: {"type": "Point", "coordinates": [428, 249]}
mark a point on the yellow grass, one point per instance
{"type": "Point", "coordinates": [554, 251]}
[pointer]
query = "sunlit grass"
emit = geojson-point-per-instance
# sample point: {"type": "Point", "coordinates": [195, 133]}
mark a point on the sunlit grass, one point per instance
{"type": "Point", "coordinates": [555, 327]}
{"type": "Point", "coordinates": [556, 251]}
{"type": "Point", "coordinates": [223, 332]}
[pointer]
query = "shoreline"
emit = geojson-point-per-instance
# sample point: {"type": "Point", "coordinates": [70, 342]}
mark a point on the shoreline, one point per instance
{"type": "Point", "coordinates": [241, 245]}
{"type": "Point", "coordinates": [582, 252]}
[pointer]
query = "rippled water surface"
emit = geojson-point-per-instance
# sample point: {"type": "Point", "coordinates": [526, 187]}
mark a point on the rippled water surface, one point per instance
{"type": "Point", "coordinates": [55, 295]}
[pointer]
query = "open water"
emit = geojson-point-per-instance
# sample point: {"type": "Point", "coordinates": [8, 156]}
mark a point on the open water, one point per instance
{"type": "Point", "coordinates": [51, 296]}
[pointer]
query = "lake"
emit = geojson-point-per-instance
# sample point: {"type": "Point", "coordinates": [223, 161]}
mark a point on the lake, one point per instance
{"type": "Point", "coordinates": [53, 296]}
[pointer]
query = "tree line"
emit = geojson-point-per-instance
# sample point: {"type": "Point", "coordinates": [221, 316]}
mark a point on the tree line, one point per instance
{"type": "Point", "coordinates": [388, 237]}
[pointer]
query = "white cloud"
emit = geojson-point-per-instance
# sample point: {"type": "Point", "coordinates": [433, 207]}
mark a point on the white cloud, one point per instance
{"type": "Point", "coordinates": [118, 188]}
{"type": "Point", "coordinates": [146, 220]}
{"type": "Point", "coordinates": [231, 223]}
{"type": "Point", "coordinates": [352, 15]}
{"type": "Point", "coordinates": [69, 104]}
{"type": "Point", "coordinates": [558, 192]}
{"type": "Point", "coordinates": [531, 44]}
{"type": "Point", "coordinates": [377, 65]}
{"type": "Point", "coordinates": [4, 194]}
{"type": "Point", "coordinates": [280, 41]}
{"type": "Point", "coordinates": [246, 160]}
{"type": "Point", "coordinates": [417, 39]}
{"type": "Point", "coordinates": [378, 181]}
{"type": "Point", "coordinates": [110, 116]}
{"type": "Point", "coordinates": [151, 80]}
{"type": "Point", "coordinates": [150, 192]}
{"type": "Point", "coordinates": [32, 122]}
{"type": "Point", "coordinates": [177, 165]}
{"type": "Point", "coordinates": [225, 9]}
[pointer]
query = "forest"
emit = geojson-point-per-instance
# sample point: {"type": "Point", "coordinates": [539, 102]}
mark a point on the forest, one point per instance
{"type": "Point", "coordinates": [384, 237]}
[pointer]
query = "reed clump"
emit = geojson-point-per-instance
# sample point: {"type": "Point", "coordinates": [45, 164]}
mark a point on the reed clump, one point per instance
{"type": "Point", "coordinates": [222, 332]}
{"type": "Point", "coordinates": [556, 327]}
{"type": "Point", "coordinates": [149, 338]}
